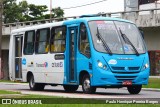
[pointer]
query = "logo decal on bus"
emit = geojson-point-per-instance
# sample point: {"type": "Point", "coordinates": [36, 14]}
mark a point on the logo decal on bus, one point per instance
{"type": "Point", "coordinates": [126, 48]}
{"type": "Point", "coordinates": [126, 69]}
{"type": "Point", "coordinates": [112, 61]}
{"type": "Point", "coordinates": [57, 64]}
{"type": "Point", "coordinates": [45, 64]}
{"type": "Point", "coordinates": [24, 61]}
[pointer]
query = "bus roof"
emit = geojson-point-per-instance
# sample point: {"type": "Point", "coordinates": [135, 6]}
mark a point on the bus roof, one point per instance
{"type": "Point", "coordinates": [67, 22]}
{"type": "Point", "coordinates": [37, 27]}
{"type": "Point", "coordinates": [82, 19]}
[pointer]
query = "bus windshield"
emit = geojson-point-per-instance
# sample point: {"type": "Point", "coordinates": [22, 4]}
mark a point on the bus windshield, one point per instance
{"type": "Point", "coordinates": [119, 37]}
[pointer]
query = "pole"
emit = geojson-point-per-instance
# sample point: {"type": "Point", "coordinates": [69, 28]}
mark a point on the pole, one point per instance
{"type": "Point", "coordinates": [156, 2]}
{"type": "Point", "coordinates": [124, 5]}
{"type": "Point", "coordinates": [50, 10]}
{"type": "Point", "coordinates": [1, 7]}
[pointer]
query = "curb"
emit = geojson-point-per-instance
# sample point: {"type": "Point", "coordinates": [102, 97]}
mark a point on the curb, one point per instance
{"type": "Point", "coordinates": [154, 77]}
{"type": "Point", "coordinates": [150, 89]}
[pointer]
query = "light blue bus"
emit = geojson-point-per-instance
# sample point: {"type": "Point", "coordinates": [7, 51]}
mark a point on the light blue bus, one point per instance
{"type": "Point", "coordinates": [92, 51]}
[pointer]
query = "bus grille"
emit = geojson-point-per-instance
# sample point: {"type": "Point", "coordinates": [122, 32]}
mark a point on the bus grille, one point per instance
{"type": "Point", "coordinates": [118, 68]}
{"type": "Point", "coordinates": [125, 78]}
{"type": "Point", "coordinates": [133, 68]}
{"type": "Point", "coordinates": [123, 68]}
{"type": "Point", "coordinates": [119, 71]}
{"type": "Point", "coordinates": [130, 72]}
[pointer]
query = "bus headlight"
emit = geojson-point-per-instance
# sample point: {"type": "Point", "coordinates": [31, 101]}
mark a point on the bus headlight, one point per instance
{"type": "Point", "coordinates": [105, 67]}
{"type": "Point", "coordinates": [101, 65]}
{"type": "Point", "coordinates": [145, 66]}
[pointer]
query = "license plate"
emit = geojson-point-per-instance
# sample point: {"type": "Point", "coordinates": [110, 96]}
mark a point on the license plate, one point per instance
{"type": "Point", "coordinates": [127, 83]}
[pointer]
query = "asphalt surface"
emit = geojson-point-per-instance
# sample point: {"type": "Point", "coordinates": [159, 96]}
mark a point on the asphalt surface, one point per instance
{"type": "Point", "coordinates": [59, 91]}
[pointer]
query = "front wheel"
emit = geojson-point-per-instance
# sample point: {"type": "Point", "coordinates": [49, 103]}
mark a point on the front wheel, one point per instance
{"type": "Point", "coordinates": [35, 86]}
{"type": "Point", "coordinates": [86, 85]}
{"type": "Point", "coordinates": [134, 89]}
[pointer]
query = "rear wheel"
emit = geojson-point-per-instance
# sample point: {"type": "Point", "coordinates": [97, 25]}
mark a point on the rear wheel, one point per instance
{"type": "Point", "coordinates": [35, 86]}
{"type": "Point", "coordinates": [86, 85]}
{"type": "Point", "coordinates": [70, 88]}
{"type": "Point", "coordinates": [134, 89]}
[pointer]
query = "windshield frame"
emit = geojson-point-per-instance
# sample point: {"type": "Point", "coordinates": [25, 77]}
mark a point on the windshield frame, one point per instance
{"type": "Point", "coordinates": [142, 39]}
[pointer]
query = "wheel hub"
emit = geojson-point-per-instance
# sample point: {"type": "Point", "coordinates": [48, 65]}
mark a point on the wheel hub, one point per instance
{"type": "Point", "coordinates": [87, 84]}
{"type": "Point", "coordinates": [32, 82]}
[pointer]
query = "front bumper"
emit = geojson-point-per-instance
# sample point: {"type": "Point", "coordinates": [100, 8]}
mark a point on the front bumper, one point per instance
{"type": "Point", "coordinates": [108, 78]}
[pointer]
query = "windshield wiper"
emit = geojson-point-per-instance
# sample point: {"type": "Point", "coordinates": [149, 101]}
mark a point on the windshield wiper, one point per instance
{"type": "Point", "coordinates": [126, 39]}
{"type": "Point", "coordinates": [104, 43]}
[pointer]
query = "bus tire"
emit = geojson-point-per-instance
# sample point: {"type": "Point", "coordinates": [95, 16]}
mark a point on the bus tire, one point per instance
{"type": "Point", "coordinates": [86, 87]}
{"type": "Point", "coordinates": [70, 88]}
{"type": "Point", "coordinates": [134, 89]}
{"type": "Point", "coordinates": [35, 86]}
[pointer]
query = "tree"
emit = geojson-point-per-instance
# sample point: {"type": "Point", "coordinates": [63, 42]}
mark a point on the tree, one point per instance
{"type": "Point", "coordinates": [11, 11]}
{"type": "Point", "coordinates": [56, 13]}
{"type": "Point", "coordinates": [37, 12]}
{"type": "Point", "coordinates": [23, 11]}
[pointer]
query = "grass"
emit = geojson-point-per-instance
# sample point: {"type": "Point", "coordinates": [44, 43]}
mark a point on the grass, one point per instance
{"type": "Point", "coordinates": [8, 92]}
{"type": "Point", "coordinates": [6, 95]}
{"type": "Point", "coordinates": [39, 96]}
{"type": "Point", "coordinates": [153, 83]}
{"type": "Point", "coordinates": [7, 81]}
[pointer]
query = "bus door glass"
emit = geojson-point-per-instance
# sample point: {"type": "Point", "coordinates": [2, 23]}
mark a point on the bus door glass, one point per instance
{"type": "Point", "coordinates": [72, 53]}
{"type": "Point", "coordinates": [18, 56]}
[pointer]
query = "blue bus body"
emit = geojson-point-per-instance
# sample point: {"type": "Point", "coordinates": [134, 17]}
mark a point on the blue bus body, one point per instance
{"type": "Point", "coordinates": [119, 67]}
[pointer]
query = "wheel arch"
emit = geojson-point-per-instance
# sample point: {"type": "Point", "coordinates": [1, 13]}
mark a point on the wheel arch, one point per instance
{"type": "Point", "coordinates": [81, 74]}
{"type": "Point", "coordinates": [29, 74]}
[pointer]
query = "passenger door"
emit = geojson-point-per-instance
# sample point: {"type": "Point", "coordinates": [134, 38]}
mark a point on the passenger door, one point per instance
{"type": "Point", "coordinates": [72, 62]}
{"type": "Point", "coordinates": [18, 56]}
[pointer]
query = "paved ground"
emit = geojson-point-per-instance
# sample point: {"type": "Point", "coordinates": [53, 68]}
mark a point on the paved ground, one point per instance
{"type": "Point", "coordinates": [100, 93]}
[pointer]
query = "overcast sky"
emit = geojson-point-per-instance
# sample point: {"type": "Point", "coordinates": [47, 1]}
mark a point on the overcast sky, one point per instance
{"type": "Point", "coordinates": [105, 6]}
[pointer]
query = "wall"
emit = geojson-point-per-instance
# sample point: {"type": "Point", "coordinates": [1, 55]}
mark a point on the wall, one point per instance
{"type": "Point", "coordinates": [149, 6]}
{"type": "Point", "coordinates": [5, 42]}
{"type": "Point", "coordinates": [5, 54]}
{"type": "Point", "coordinates": [152, 38]}
{"type": "Point", "coordinates": [5, 67]}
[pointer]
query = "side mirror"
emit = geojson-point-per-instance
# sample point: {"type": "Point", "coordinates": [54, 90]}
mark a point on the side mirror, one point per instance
{"type": "Point", "coordinates": [83, 34]}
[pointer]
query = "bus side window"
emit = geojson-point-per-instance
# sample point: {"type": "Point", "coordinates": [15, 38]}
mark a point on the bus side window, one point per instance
{"type": "Point", "coordinates": [58, 39]}
{"type": "Point", "coordinates": [29, 43]}
{"type": "Point", "coordinates": [84, 46]}
{"type": "Point", "coordinates": [42, 41]}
